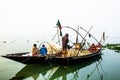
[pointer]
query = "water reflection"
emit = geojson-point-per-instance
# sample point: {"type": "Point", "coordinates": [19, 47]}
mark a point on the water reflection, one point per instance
{"type": "Point", "coordinates": [54, 71]}
{"type": "Point", "coordinates": [99, 69]}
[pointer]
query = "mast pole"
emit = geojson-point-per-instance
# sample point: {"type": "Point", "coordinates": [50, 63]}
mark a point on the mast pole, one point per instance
{"type": "Point", "coordinates": [77, 35]}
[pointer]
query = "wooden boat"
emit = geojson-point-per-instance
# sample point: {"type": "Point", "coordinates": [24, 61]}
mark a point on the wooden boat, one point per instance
{"type": "Point", "coordinates": [50, 58]}
{"type": "Point", "coordinates": [74, 55]}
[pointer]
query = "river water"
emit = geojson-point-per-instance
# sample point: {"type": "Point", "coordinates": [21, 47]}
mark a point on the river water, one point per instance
{"type": "Point", "coordinates": [104, 68]}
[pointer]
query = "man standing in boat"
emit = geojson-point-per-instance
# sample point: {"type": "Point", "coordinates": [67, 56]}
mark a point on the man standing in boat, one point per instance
{"type": "Point", "coordinates": [65, 41]}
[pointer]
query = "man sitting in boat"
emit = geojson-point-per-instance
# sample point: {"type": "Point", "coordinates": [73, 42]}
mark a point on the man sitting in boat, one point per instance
{"type": "Point", "coordinates": [94, 48]}
{"type": "Point", "coordinates": [35, 50]}
{"type": "Point", "coordinates": [43, 50]}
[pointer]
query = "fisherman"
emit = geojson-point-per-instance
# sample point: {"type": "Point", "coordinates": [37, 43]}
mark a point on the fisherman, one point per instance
{"type": "Point", "coordinates": [43, 50]}
{"type": "Point", "coordinates": [65, 41]}
{"type": "Point", "coordinates": [92, 48]}
{"type": "Point", "coordinates": [35, 50]}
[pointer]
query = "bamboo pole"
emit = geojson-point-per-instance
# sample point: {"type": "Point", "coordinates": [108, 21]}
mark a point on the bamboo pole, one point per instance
{"type": "Point", "coordinates": [89, 33]}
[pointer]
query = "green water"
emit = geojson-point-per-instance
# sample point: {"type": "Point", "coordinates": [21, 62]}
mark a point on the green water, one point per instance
{"type": "Point", "coordinates": [106, 68]}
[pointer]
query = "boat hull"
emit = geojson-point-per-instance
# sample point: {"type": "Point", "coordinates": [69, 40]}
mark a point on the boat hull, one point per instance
{"type": "Point", "coordinates": [75, 59]}
{"type": "Point", "coordinates": [25, 59]}
{"type": "Point", "coordinates": [50, 58]}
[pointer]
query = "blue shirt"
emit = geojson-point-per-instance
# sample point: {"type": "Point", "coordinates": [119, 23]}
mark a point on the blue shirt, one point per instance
{"type": "Point", "coordinates": [43, 50]}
